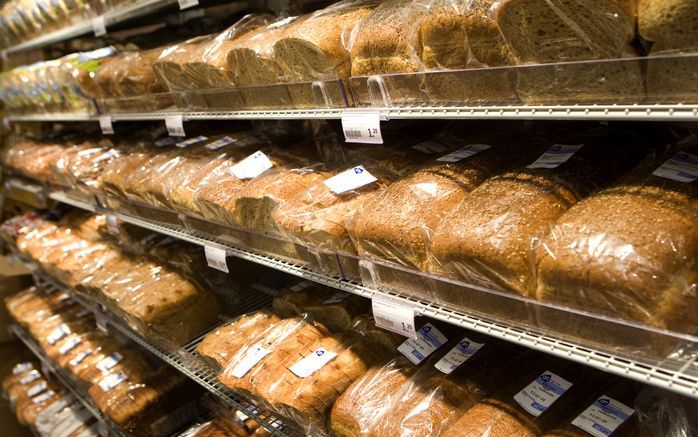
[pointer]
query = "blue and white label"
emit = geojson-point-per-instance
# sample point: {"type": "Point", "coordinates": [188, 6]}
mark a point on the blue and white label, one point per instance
{"type": "Point", "coordinates": [220, 143]}
{"type": "Point", "coordinates": [556, 156]}
{"type": "Point", "coordinates": [69, 345]}
{"type": "Point", "coordinates": [22, 367]}
{"type": "Point", "coordinates": [427, 341]}
{"type": "Point", "coordinates": [108, 363]}
{"type": "Point", "coordinates": [252, 166]}
{"type": "Point", "coordinates": [253, 356]}
{"type": "Point", "coordinates": [683, 167]}
{"type": "Point", "coordinates": [79, 358]}
{"type": "Point", "coordinates": [191, 141]}
{"type": "Point", "coordinates": [30, 377]}
{"type": "Point", "coordinates": [58, 333]}
{"type": "Point", "coordinates": [45, 396]}
{"type": "Point", "coordinates": [460, 353]}
{"type": "Point", "coordinates": [351, 179]}
{"type": "Point", "coordinates": [112, 381]}
{"type": "Point", "coordinates": [38, 388]}
{"type": "Point", "coordinates": [603, 417]}
{"type": "Point", "coordinates": [464, 152]}
{"type": "Point", "coordinates": [312, 363]}
{"type": "Point", "coordinates": [539, 395]}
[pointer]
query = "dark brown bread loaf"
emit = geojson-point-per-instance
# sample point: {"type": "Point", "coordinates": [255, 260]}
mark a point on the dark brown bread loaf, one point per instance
{"type": "Point", "coordinates": [628, 251]}
{"type": "Point", "coordinates": [218, 347]}
{"type": "Point", "coordinates": [541, 32]}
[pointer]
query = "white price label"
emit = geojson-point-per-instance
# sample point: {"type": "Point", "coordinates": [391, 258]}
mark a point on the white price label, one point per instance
{"type": "Point", "coordinates": [45, 396]}
{"type": "Point", "coordinates": [186, 4]}
{"type": "Point", "coordinates": [394, 317]}
{"type": "Point", "coordinates": [99, 26]}
{"type": "Point", "coordinates": [362, 127]}
{"type": "Point", "coordinates": [338, 297]}
{"type": "Point", "coordinates": [192, 141]}
{"type": "Point", "coordinates": [556, 156]}
{"type": "Point", "coordinates": [464, 152]}
{"type": "Point", "coordinates": [32, 376]}
{"type": "Point", "coordinates": [683, 167]}
{"type": "Point", "coordinates": [252, 166]}
{"type": "Point", "coordinates": [106, 125]}
{"type": "Point", "coordinates": [175, 125]}
{"type": "Point", "coordinates": [539, 395]}
{"type": "Point", "coordinates": [251, 358]}
{"type": "Point", "coordinates": [302, 285]}
{"type": "Point", "coordinates": [603, 417]}
{"type": "Point", "coordinates": [312, 363]}
{"type": "Point", "coordinates": [38, 388]}
{"type": "Point", "coordinates": [222, 142]}
{"type": "Point", "coordinates": [350, 179]}
{"type": "Point", "coordinates": [112, 224]}
{"type": "Point", "coordinates": [460, 353]}
{"type": "Point", "coordinates": [427, 341]}
{"type": "Point", "coordinates": [112, 381]}
{"type": "Point", "coordinates": [79, 358]}
{"type": "Point", "coordinates": [108, 363]}
{"type": "Point", "coordinates": [21, 368]}
{"type": "Point", "coordinates": [215, 258]}
{"type": "Point", "coordinates": [58, 333]}
{"type": "Point", "coordinates": [69, 345]}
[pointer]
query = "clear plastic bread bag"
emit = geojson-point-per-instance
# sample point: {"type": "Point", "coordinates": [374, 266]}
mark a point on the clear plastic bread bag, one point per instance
{"type": "Point", "coordinates": [581, 31]}
{"type": "Point", "coordinates": [260, 357]}
{"type": "Point", "coordinates": [168, 67]}
{"type": "Point", "coordinates": [486, 239]}
{"type": "Point", "coordinates": [306, 384]}
{"type": "Point", "coordinates": [635, 241]}
{"type": "Point", "coordinates": [90, 163]}
{"type": "Point", "coordinates": [206, 65]}
{"type": "Point", "coordinates": [115, 179]}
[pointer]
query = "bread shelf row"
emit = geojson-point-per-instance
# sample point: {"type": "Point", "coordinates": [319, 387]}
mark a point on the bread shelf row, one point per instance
{"type": "Point", "coordinates": [676, 371]}
{"type": "Point", "coordinates": [183, 358]}
{"type": "Point", "coordinates": [106, 427]}
{"type": "Point", "coordinates": [655, 112]}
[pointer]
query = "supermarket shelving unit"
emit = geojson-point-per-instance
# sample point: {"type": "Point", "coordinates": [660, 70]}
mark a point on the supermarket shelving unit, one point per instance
{"type": "Point", "coordinates": [679, 374]}
{"type": "Point", "coordinates": [106, 426]}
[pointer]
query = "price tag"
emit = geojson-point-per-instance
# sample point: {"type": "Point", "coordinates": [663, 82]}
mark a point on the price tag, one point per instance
{"type": "Point", "coordinates": [539, 395]}
{"type": "Point", "coordinates": [175, 125]}
{"type": "Point", "coordinates": [312, 363]}
{"type": "Point", "coordinates": [556, 156]}
{"type": "Point", "coordinates": [350, 179]}
{"type": "Point", "coordinates": [252, 166]}
{"type": "Point", "coordinates": [108, 363]}
{"type": "Point", "coordinates": [428, 340]}
{"type": "Point", "coordinates": [112, 224]}
{"type": "Point", "coordinates": [362, 127]}
{"type": "Point", "coordinates": [683, 167]}
{"type": "Point", "coordinates": [215, 258]}
{"type": "Point", "coordinates": [603, 417]}
{"type": "Point", "coordinates": [251, 358]}
{"type": "Point", "coordinates": [99, 26]}
{"type": "Point", "coordinates": [21, 368]}
{"type": "Point", "coordinates": [186, 4]}
{"type": "Point", "coordinates": [394, 317]}
{"type": "Point", "coordinates": [112, 381]}
{"type": "Point", "coordinates": [38, 388]}
{"type": "Point", "coordinates": [460, 353]}
{"type": "Point", "coordinates": [31, 376]}
{"type": "Point", "coordinates": [106, 125]}
{"type": "Point", "coordinates": [463, 152]}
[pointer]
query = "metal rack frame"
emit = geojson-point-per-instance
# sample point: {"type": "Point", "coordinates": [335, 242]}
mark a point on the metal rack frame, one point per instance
{"type": "Point", "coordinates": [679, 381]}
{"type": "Point", "coordinates": [67, 381]}
{"type": "Point", "coordinates": [639, 112]}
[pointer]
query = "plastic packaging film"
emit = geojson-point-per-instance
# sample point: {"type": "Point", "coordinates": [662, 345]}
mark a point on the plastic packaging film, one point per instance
{"type": "Point", "coordinates": [169, 66]}
{"type": "Point", "coordinates": [645, 246]}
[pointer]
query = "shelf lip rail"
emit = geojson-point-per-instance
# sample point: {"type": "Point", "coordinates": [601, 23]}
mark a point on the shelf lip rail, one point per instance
{"type": "Point", "coordinates": [639, 112]}
{"type": "Point", "coordinates": [677, 381]}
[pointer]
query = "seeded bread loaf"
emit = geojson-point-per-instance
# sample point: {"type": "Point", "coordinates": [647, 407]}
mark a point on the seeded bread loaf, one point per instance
{"type": "Point", "coordinates": [307, 393]}
{"type": "Point", "coordinates": [253, 363]}
{"type": "Point", "coordinates": [541, 32]}
{"type": "Point", "coordinates": [487, 238]}
{"type": "Point", "coordinates": [363, 403]}
{"type": "Point", "coordinates": [628, 251]}
{"type": "Point", "coordinates": [218, 347]}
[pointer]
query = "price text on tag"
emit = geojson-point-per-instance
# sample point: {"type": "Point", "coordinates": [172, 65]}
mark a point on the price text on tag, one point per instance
{"type": "Point", "coordinates": [175, 125]}
{"type": "Point", "coordinates": [99, 26]}
{"type": "Point", "coordinates": [394, 317]}
{"type": "Point", "coordinates": [106, 125]}
{"type": "Point", "coordinates": [215, 258]}
{"type": "Point", "coordinates": [362, 127]}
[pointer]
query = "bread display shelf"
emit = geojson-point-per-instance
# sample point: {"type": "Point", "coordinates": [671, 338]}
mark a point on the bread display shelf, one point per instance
{"type": "Point", "coordinates": [662, 358]}
{"type": "Point", "coordinates": [106, 427]}
{"type": "Point", "coordinates": [475, 93]}
{"type": "Point", "coordinates": [183, 358]}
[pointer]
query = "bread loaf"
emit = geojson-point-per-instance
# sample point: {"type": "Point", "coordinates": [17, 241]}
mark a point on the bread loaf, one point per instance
{"type": "Point", "coordinates": [541, 32]}
{"type": "Point", "coordinates": [218, 347]}
{"type": "Point", "coordinates": [169, 66]}
{"type": "Point", "coordinates": [606, 254]}
{"type": "Point", "coordinates": [308, 383]}
{"type": "Point", "coordinates": [259, 359]}
{"type": "Point", "coordinates": [489, 235]}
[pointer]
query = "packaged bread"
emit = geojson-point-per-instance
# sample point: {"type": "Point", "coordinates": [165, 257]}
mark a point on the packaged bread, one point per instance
{"type": "Point", "coordinates": [627, 251]}
{"type": "Point", "coordinates": [306, 384]}
{"type": "Point", "coordinates": [19, 371]}
{"type": "Point", "coordinates": [366, 400]}
{"type": "Point", "coordinates": [365, 325]}
{"type": "Point", "coordinates": [219, 346]}
{"type": "Point", "coordinates": [542, 32]}
{"type": "Point", "coordinates": [130, 74]}
{"type": "Point", "coordinates": [529, 404]}
{"type": "Point", "coordinates": [262, 354]}
{"type": "Point", "coordinates": [128, 361]}
{"type": "Point", "coordinates": [487, 238]}
{"type": "Point", "coordinates": [387, 40]}
{"type": "Point", "coordinates": [168, 67]}
{"type": "Point", "coordinates": [116, 174]}
{"type": "Point", "coordinates": [334, 308]}
{"type": "Point", "coordinates": [89, 353]}
{"type": "Point", "coordinates": [76, 345]}
{"type": "Point", "coordinates": [207, 65]}
{"type": "Point", "coordinates": [29, 407]}
{"type": "Point", "coordinates": [392, 224]}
